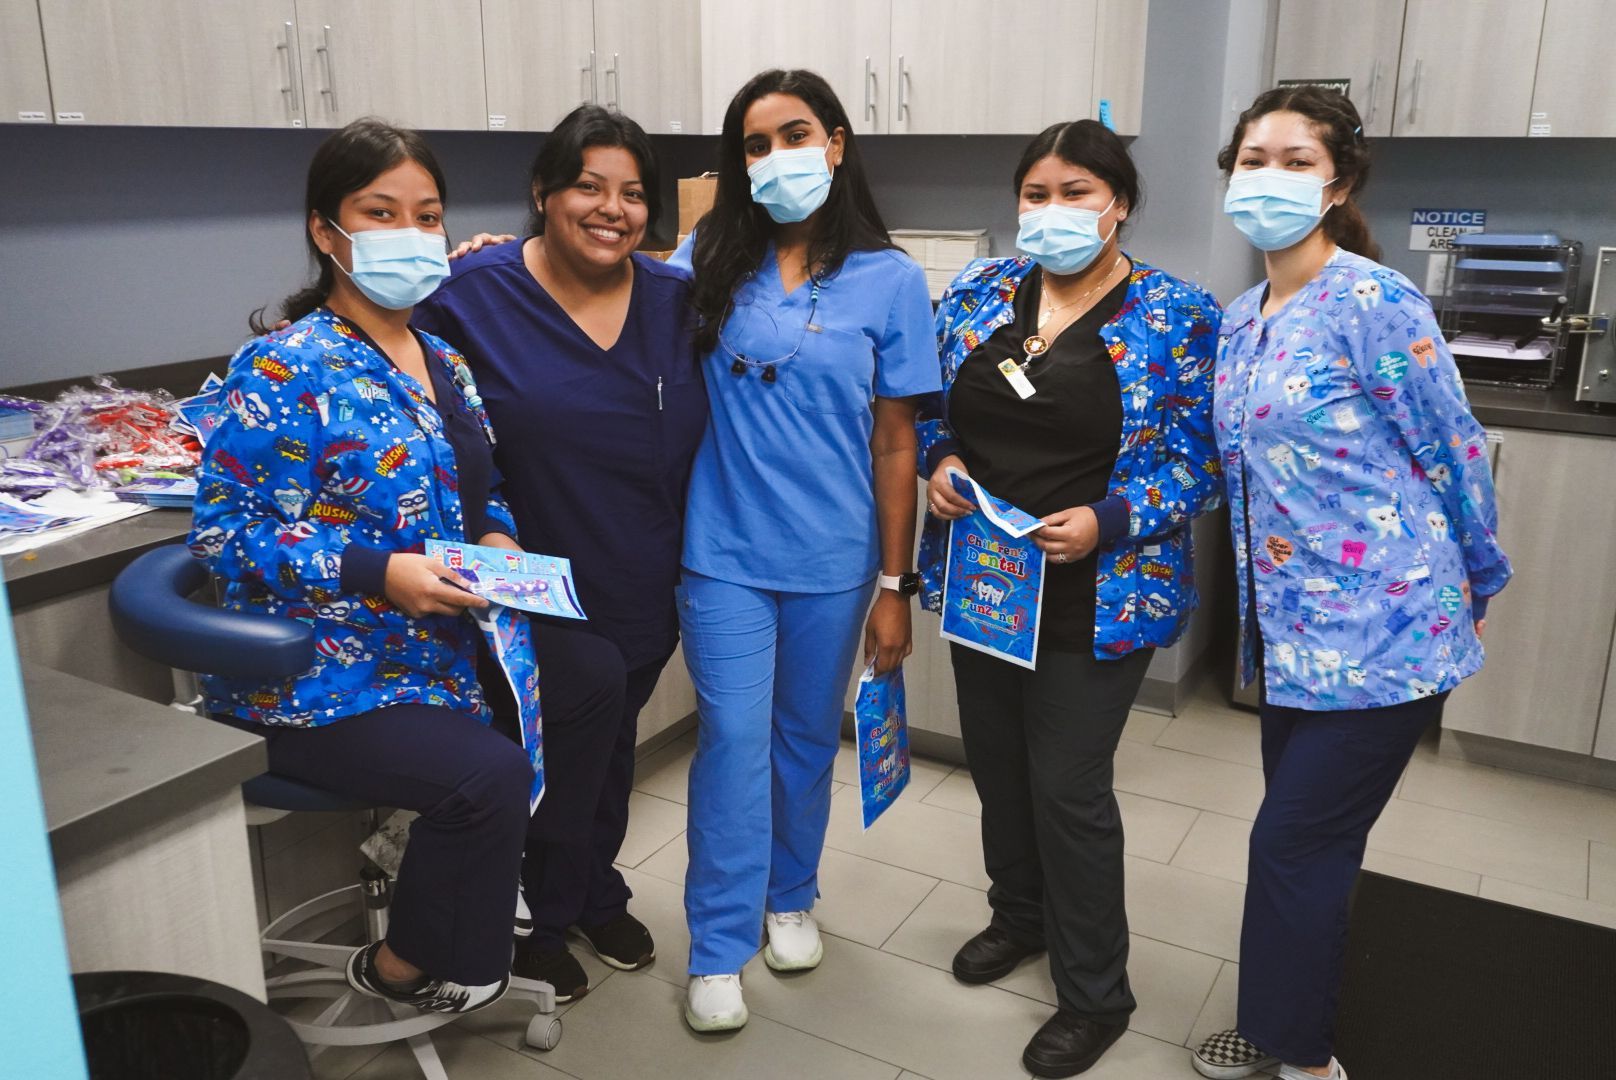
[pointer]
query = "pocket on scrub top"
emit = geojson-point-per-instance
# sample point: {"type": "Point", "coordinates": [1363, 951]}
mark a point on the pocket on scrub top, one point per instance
{"type": "Point", "coordinates": [832, 374]}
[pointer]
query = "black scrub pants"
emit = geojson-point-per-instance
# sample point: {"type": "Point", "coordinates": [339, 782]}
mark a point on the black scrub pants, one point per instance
{"type": "Point", "coordinates": [591, 707]}
{"type": "Point", "coordinates": [1039, 745]}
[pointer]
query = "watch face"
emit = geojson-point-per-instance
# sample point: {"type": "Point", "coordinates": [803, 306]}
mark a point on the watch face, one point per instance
{"type": "Point", "coordinates": [908, 584]}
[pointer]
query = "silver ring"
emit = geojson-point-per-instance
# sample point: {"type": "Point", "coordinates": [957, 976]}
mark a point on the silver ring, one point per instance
{"type": "Point", "coordinates": [1061, 557]}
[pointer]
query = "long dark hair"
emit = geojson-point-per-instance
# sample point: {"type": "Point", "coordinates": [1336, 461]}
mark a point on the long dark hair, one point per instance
{"type": "Point", "coordinates": [731, 238]}
{"type": "Point", "coordinates": [1335, 121]}
{"type": "Point", "coordinates": [345, 162]}
{"type": "Point", "coordinates": [560, 160]}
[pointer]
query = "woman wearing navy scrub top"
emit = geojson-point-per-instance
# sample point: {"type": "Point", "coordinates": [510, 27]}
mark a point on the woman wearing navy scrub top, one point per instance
{"type": "Point", "coordinates": [816, 336]}
{"type": "Point", "coordinates": [584, 360]}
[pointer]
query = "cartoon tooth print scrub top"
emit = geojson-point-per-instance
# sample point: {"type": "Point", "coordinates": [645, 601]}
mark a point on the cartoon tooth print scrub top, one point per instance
{"type": "Point", "coordinates": [1361, 499]}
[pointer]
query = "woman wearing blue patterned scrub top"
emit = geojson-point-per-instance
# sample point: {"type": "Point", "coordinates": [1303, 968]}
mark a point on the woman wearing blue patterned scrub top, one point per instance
{"type": "Point", "coordinates": [1365, 543]}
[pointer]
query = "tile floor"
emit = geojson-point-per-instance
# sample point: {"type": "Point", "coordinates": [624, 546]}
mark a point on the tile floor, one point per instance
{"type": "Point", "coordinates": [899, 899]}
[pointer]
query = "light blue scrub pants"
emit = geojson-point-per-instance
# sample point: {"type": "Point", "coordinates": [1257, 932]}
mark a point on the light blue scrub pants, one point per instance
{"type": "Point", "coordinates": [771, 671]}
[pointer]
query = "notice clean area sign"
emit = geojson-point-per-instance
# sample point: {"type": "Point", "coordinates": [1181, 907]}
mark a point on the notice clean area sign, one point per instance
{"type": "Point", "coordinates": [1434, 230]}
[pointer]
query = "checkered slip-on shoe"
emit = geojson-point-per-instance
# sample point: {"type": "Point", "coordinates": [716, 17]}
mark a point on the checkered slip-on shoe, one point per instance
{"type": "Point", "coordinates": [1227, 1056]}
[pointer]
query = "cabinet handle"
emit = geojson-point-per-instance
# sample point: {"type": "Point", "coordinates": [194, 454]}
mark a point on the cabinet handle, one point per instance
{"type": "Point", "coordinates": [869, 90]}
{"type": "Point", "coordinates": [903, 89]}
{"type": "Point", "coordinates": [588, 74]}
{"type": "Point", "coordinates": [614, 86]}
{"type": "Point", "coordinates": [1414, 91]}
{"type": "Point", "coordinates": [1374, 91]}
{"type": "Point", "coordinates": [330, 88]}
{"type": "Point", "coordinates": [1495, 450]}
{"type": "Point", "coordinates": [289, 91]}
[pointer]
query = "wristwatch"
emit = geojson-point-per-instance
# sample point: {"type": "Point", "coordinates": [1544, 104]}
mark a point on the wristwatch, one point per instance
{"type": "Point", "coordinates": [902, 584]}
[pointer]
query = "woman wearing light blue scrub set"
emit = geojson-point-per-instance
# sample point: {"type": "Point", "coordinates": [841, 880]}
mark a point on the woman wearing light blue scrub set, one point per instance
{"type": "Point", "coordinates": [816, 337]}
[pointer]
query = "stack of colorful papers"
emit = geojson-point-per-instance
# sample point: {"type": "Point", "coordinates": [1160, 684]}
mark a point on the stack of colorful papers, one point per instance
{"type": "Point", "coordinates": [165, 492]}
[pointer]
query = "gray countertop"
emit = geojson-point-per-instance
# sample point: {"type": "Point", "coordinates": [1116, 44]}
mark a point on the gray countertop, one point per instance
{"type": "Point", "coordinates": [90, 559]}
{"type": "Point", "coordinates": [111, 764]}
{"type": "Point", "coordinates": [1540, 410]}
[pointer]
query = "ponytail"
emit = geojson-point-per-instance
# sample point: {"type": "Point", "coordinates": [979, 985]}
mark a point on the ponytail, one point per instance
{"type": "Point", "coordinates": [1346, 226]}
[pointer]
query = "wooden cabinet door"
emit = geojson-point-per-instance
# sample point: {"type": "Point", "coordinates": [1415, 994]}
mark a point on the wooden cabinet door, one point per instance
{"type": "Point", "coordinates": [649, 53]}
{"type": "Point", "coordinates": [24, 88]}
{"type": "Point", "coordinates": [1358, 42]}
{"type": "Point", "coordinates": [1549, 633]}
{"type": "Point", "coordinates": [541, 61]}
{"type": "Point", "coordinates": [1467, 68]}
{"type": "Point", "coordinates": [958, 69]}
{"type": "Point", "coordinates": [1575, 92]}
{"type": "Point", "coordinates": [224, 63]}
{"type": "Point", "coordinates": [1119, 63]}
{"type": "Point", "coordinates": [418, 63]}
{"type": "Point", "coordinates": [846, 41]}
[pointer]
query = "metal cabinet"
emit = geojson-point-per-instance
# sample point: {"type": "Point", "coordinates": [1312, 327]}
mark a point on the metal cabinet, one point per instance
{"type": "Point", "coordinates": [1574, 94]}
{"type": "Point", "coordinates": [1549, 633]}
{"type": "Point", "coordinates": [24, 87]}
{"type": "Point", "coordinates": [224, 63]}
{"type": "Point", "coordinates": [1357, 42]}
{"type": "Point", "coordinates": [415, 62]}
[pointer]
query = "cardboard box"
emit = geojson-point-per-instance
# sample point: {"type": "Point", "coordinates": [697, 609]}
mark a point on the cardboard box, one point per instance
{"type": "Point", "coordinates": [696, 195]}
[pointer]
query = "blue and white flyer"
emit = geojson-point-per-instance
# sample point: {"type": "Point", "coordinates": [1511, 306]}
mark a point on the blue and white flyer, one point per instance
{"type": "Point", "coordinates": [993, 588]}
{"type": "Point", "coordinates": [510, 639]}
{"type": "Point", "coordinates": [541, 584]}
{"type": "Point", "coordinates": [883, 741]}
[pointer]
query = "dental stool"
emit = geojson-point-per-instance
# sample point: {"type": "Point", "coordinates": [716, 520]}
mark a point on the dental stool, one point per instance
{"type": "Point", "coordinates": [154, 616]}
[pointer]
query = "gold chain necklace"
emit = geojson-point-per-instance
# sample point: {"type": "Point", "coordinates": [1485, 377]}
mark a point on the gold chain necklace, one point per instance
{"type": "Point", "coordinates": [1037, 345]}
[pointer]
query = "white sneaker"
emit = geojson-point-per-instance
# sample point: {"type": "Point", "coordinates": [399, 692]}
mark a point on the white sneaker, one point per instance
{"type": "Point", "coordinates": [714, 1003]}
{"type": "Point", "coordinates": [1290, 1072]}
{"type": "Point", "coordinates": [794, 943]}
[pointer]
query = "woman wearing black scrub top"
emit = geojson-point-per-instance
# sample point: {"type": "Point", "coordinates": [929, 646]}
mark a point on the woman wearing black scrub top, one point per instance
{"type": "Point", "coordinates": [583, 357]}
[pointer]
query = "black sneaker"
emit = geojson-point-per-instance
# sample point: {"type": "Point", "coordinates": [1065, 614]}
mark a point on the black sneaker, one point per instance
{"type": "Point", "coordinates": [431, 995]}
{"type": "Point", "coordinates": [623, 942]}
{"type": "Point", "coordinates": [558, 967]}
{"type": "Point", "coordinates": [1226, 1055]}
{"type": "Point", "coordinates": [989, 955]}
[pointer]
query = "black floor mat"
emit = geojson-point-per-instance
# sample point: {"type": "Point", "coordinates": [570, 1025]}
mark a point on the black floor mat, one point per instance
{"type": "Point", "coordinates": [1439, 985]}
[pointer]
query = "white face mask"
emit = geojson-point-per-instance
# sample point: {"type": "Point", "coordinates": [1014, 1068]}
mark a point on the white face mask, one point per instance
{"type": "Point", "coordinates": [792, 184]}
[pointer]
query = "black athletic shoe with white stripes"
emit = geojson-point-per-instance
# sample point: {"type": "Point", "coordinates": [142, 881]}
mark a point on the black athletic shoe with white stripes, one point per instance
{"type": "Point", "coordinates": [432, 995]}
{"type": "Point", "coordinates": [1227, 1056]}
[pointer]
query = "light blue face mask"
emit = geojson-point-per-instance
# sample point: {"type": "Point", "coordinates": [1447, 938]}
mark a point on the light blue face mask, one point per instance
{"type": "Point", "coordinates": [791, 184]}
{"type": "Point", "coordinates": [1063, 239]}
{"type": "Point", "coordinates": [396, 268]}
{"type": "Point", "coordinates": [1275, 208]}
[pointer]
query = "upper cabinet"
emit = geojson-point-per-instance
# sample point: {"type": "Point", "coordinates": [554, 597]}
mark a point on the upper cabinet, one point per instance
{"type": "Point", "coordinates": [949, 77]}
{"type": "Point", "coordinates": [541, 60]}
{"type": "Point", "coordinates": [846, 41]}
{"type": "Point", "coordinates": [414, 62]}
{"type": "Point", "coordinates": [650, 57]}
{"type": "Point", "coordinates": [1466, 71]}
{"type": "Point", "coordinates": [24, 88]}
{"type": "Point", "coordinates": [1357, 42]}
{"type": "Point", "coordinates": [1457, 68]}
{"type": "Point", "coordinates": [1119, 64]}
{"type": "Point", "coordinates": [1575, 93]}
{"type": "Point", "coordinates": [229, 63]}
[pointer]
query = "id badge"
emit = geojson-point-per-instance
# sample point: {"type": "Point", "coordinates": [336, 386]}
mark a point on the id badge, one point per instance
{"type": "Point", "coordinates": [1017, 378]}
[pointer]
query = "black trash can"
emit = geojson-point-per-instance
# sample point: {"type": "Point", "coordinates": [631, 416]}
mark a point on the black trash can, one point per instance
{"type": "Point", "coordinates": [146, 1025]}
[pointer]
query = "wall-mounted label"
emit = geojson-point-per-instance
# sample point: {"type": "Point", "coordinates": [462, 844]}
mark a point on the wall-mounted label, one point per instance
{"type": "Point", "coordinates": [70, 118]}
{"type": "Point", "coordinates": [32, 116]}
{"type": "Point", "coordinates": [1434, 230]}
{"type": "Point", "coordinates": [1538, 131]}
{"type": "Point", "coordinates": [676, 127]}
{"type": "Point", "coordinates": [496, 121]}
{"type": "Point", "coordinates": [1343, 85]}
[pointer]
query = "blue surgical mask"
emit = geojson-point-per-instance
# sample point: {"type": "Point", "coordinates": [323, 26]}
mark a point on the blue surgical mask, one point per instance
{"type": "Point", "coordinates": [1063, 239]}
{"type": "Point", "coordinates": [396, 268]}
{"type": "Point", "coordinates": [791, 184]}
{"type": "Point", "coordinates": [1275, 208]}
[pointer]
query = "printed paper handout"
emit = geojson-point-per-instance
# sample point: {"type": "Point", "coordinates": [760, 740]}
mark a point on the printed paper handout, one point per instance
{"type": "Point", "coordinates": [510, 639]}
{"type": "Point", "coordinates": [993, 588]}
{"type": "Point", "coordinates": [883, 741]}
{"type": "Point", "coordinates": [541, 584]}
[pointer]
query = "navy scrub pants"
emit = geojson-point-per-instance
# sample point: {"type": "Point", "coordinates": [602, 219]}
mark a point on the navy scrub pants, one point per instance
{"type": "Point", "coordinates": [1329, 776]}
{"type": "Point", "coordinates": [1040, 746]}
{"type": "Point", "coordinates": [456, 889]}
{"type": "Point", "coordinates": [591, 706]}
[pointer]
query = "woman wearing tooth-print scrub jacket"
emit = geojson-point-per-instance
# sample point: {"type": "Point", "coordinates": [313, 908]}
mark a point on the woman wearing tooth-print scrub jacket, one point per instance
{"type": "Point", "coordinates": [816, 339]}
{"type": "Point", "coordinates": [1365, 541]}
